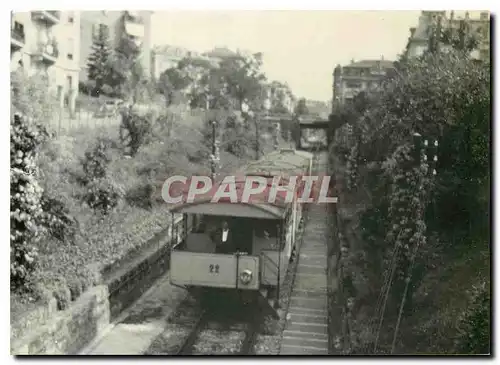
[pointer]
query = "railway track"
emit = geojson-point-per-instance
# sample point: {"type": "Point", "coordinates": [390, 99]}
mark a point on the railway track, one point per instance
{"type": "Point", "coordinates": [213, 331]}
{"type": "Point", "coordinates": [214, 335]}
{"type": "Point", "coordinates": [238, 337]}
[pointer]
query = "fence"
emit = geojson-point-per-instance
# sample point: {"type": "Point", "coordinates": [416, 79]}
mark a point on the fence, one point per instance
{"type": "Point", "coordinates": [63, 122]}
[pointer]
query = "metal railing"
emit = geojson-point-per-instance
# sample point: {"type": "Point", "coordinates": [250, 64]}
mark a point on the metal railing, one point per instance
{"type": "Point", "coordinates": [49, 50]}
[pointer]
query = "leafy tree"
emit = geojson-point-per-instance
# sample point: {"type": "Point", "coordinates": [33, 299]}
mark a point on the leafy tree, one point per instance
{"type": "Point", "coordinates": [242, 76]}
{"type": "Point", "coordinates": [460, 39]}
{"type": "Point", "coordinates": [301, 108]}
{"type": "Point", "coordinates": [171, 82]}
{"type": "Point", "coordinates": [279, 93]}
{"type": "Point", "coordinates": [31, 97]}
{"type": "Point", "coordinates": [127, 75]}
{"type": "Point", "coordinates": [98, 61]}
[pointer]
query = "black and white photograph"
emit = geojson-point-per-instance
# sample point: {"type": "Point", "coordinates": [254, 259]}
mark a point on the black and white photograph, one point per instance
{"type": "Point", "coordinates": [250, 182]}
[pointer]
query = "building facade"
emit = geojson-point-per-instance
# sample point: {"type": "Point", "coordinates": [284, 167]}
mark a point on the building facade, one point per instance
{"type": "Point", "coordinates": [133, 24]}
{"type": "Point", "coordinates": [47, 42]}
{"type": "Point", "coordinates": [478, 27]}
{"type": "Point", "coordinates": [359, 76]}
{"type": "Point", "coordinates": [165, 57]}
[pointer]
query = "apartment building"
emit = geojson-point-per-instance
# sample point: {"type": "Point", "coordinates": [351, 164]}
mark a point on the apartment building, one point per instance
{"type": "Point", "coordinates": [358, 76]}
{"type": "Point", "coordinates": [478, 27]}
{"type": "Point", "coordinates": [47, 42]}
{"type": "Point", "coordinates": [133, 24]}
{"type": "Point", "coordinates": [167, 56]}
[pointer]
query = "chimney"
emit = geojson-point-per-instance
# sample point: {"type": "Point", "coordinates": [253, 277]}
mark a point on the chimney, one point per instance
{"type": "Point", "coordinates": [466, 15]}
{"type": "Point", "coordinates": [412, 31]}
{"type": "Point", "coordinates": [382, 58]}
{"type": "Point", "coordinates": [352, 61]}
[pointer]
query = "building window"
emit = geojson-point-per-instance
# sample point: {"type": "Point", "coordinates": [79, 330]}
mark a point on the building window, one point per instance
{"type": "Point", "coordinates": [18, 27]}
{"type": "Point", "coordinates": [99, 28]}
{"type": "Point", "coordinates": [69, 81]}
{"type": "Point", "coordinates": [71, 48]}
{"type": "Point", "coordinates": [353, 85]}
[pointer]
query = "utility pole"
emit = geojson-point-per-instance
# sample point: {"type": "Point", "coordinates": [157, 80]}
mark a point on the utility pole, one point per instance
{"type": "Point", "coordinates": [257, 145]}
{"type": "Point", "coordinates": [214, 157]}
{"type": "Point", "coordinates": [214, 150]}
{"type": "Point", "coordinates": [277, 130]}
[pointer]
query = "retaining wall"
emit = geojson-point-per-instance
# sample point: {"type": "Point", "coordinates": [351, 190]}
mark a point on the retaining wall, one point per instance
{"type": "Point", "coordinates": [47, 331]}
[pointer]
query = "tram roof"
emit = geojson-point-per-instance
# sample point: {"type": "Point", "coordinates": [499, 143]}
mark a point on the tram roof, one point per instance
{"type": "Point", "coordinates": [258, 206]}
{"type": "Point", "coordinates": [280, 163]}
{"type": "Point", "coordinates": [284, 163]}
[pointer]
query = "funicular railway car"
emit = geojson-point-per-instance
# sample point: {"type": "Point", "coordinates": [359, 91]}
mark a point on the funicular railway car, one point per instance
{"type": "Point", "coordinates": [240, 246]}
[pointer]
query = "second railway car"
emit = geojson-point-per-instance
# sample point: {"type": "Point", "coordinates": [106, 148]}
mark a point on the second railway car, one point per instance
{"type": "Point", "coordinates": [242, 246]}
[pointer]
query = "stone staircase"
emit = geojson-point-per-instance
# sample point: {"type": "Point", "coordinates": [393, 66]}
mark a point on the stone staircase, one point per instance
{"type": "Point", "coordinates": [306, 330]}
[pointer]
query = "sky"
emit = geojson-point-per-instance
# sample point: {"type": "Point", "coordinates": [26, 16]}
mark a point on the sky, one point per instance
{"type": "Point", "coordinates": [299, 47]}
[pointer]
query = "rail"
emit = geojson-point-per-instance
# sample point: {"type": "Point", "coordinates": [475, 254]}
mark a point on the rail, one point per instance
{"type": "Point", "coordinates": [250, 330]}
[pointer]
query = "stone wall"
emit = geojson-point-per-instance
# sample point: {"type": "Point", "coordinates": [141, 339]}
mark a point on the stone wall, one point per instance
{"type": "Point", "coordinates": [68, 331]}
{"type": "Point", "coordinates": [47, 331]}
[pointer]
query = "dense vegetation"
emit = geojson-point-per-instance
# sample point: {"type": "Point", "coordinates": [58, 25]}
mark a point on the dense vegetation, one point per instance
{"type": "Point", "coordinates": [424, 239]}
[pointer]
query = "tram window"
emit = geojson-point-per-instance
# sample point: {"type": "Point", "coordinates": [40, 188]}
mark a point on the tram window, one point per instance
{"type": "Point", "coordinates": [266, 229]}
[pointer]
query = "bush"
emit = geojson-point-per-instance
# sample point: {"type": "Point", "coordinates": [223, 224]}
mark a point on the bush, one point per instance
{"type": "Point", "coordinates": [97, 160]}
{"type": "Point", "coordinates": [25, 199]}
{"type": "Point", "coordinates": [474, 326]}
{"type": "Point", "coordinates": [135, 130]}
{"type": "Point", "coordinates": [141, 196]}
{"type": "Point", "coordinates": [102, 195]}
{"type": "Point", "coordinates": [60, 224]}
{"type": "Point", "coordinates": [30, 96]}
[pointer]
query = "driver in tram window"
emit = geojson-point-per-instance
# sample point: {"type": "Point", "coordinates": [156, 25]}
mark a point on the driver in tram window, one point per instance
{"type": "Point", "coordinates": [222, 238]}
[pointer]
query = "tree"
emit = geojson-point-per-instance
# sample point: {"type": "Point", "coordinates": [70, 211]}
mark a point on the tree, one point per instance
{"type": "Point", "coordinates": [171, 82]}
{"type": "Point", "coordinates": [444, 97]}
{"type": "Point", "coordinates": [243, 77]}
{"type": "Point", "coordinates": [301, 108]}
{"type": "Point", "coordinates": [98, 61]}
{"type": "Point", "coordinates": [280, 92]}
{"type": "Point", "coordinates": [127, 76]}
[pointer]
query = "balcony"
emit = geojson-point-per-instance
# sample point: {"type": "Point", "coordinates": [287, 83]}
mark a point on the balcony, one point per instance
{"type": "Point", "coordinates": [50, 17]}
{"type": "Point", "coordinates": [351, 93]}
{"type": "Point", "coordinates": [133, 17]}
{"type": "Point", "coordinates": [17, 38]}
{"type": "Point", "coordinates": [47, 52]}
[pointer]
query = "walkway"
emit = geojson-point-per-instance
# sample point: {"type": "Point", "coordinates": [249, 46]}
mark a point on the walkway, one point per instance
{"type": "Point", "coordinates": [306, 332]}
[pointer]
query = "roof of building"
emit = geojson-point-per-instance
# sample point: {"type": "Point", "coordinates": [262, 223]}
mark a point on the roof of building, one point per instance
{"type": "Point", "coordinates": [220, 52]}
{"type": "Point", "coordinates": [169, 50]}
{"type": "Point", "coordinates": [371, 63]}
